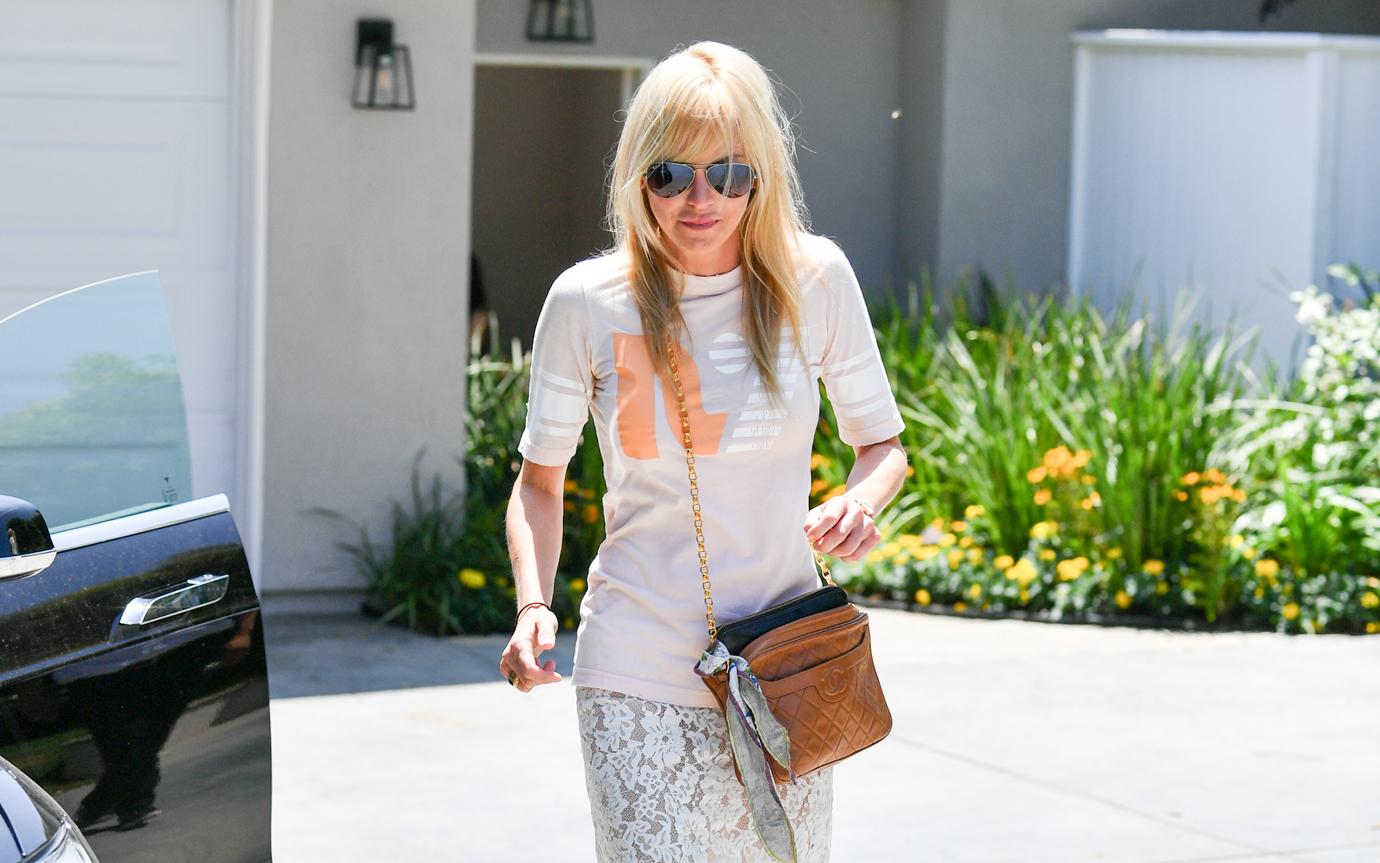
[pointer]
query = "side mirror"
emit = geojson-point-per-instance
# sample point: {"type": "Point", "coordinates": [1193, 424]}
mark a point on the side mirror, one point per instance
{"type": "Point", "coordinates": [26, 546]}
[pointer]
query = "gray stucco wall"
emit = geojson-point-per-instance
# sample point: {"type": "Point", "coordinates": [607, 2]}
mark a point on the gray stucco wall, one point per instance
{"type": "Point", "coordinates": [368, 253]}
{"type": "Point", "coordinates": [839, 59]}
{"type": "Point", "coordinates": [1008, 110]}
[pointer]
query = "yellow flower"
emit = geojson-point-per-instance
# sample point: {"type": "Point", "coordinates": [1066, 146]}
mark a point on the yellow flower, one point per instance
{"type": "Point", "coordinates": [1179, 494]}
{"type": "Point", "coordinates": [818, 486]}
{"type": "Point", "coordinates": [974, 510]}
{"type": "Point", "coordinates": [891, 548]}
{"type": "Point", "coordinates": [577, 584]}
{"type": "Point", "coordinates": [1260, 593]}
{"type": "Point", "coordinates": [1248, 552]}
{"type": "Point", "coordinates": [817, 461]}
{"type": "Point", "coordinates": [1212, 474]}
{"type": "Point", "coordinates": [1088, 503]}
{"type": "Point", "coordinates": [947, 540]}
{"type": "Point", "coordinates": [1238, 495]}
{"type": "Point", "coordinates": [1162, 588]}
{"type": "Point", "coordinates": [965, 541]}
{"type": "Point", "coordinates": [471, 578]}
{"type": "Point", "coordinates": [955, 558]}
{"type": "Point", "coordinates": [1002, 561]}
{"type": "Point", "coordinates": [1114, 553]}
{"type": "Point", "coordinates": [1369, 600]}
{"type": "Point", "coordinates": [1372, 627]}
{"type": "Point", "coordinates": [591, 513]}
{"type": "Point", "coordinates": [1088, 479]}
{"type": "Point", "coordinates": [874, 556]}
{"type": "Point", "coordinates": [1023, 571]}
{"type": "Point", "coordinates": [1267, 568]}
{"type": "Point", "coordinates": [1290, 610]}
{"type": "Point", "coordinates": [975, 555]}
{"type": "Point", "coordinates": [1123, 599]}
{"type": "Point", "coordinates": [922, 596]}
{"type": "Point", "coordinates": [1153, 566]}
{"type": "Point", "coordinates": [1047, 554]}
{"type": "Point", "coordinates": [958, 526]}
{"type": "Point", "coordinates": [1036, 474]}
{"type": "Point", "coordinates": [1044, 529]}
{"type": "Point", "coordinates": [960, 606]}
{"type": "Point", "coordinates": [1072, 568]}
{"type": "Point", "coordinates": [1025, 595]}
{"type": "Point", "coordinates": [1042, 496]}
{"type": "Point", "coordinates": [1235, 540]}
{"type": "Point", "coordinates": [835, 491]}
{"type": "Point", "coordinates": [910, 470]}
{"type": "Point", "coordinates": [1190, 478]}
{"type": "Point", "coordinates": [975, 591]}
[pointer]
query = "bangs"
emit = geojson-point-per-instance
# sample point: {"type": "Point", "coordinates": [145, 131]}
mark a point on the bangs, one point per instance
{"type": "Point", "coordinates": [703, 121]}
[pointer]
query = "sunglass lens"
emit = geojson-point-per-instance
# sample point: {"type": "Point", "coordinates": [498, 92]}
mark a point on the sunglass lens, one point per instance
{"type": "Point", "coordinates": [668, 179]}
{"type": "Point", "coordinates": [731, 179]}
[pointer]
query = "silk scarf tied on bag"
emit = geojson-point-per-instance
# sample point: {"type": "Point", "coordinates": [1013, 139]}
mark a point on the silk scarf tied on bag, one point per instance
{"type": "Point", "coordinates": [753, 734]}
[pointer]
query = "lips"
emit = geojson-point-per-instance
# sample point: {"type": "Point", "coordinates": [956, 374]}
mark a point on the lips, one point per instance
{"type": "Point", "coordinates": [699, 224]}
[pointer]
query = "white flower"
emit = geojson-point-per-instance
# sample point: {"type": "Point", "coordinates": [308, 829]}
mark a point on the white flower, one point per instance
{"type": "Point", "coordinates": [1313, 306]}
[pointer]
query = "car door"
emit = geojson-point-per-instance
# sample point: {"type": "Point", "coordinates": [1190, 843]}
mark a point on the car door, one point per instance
{"type": "Point", "coordinates": [133, 676]}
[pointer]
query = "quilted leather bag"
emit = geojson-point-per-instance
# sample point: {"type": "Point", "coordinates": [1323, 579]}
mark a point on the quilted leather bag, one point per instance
{"type": "Point", "coordinates": [807, 661]}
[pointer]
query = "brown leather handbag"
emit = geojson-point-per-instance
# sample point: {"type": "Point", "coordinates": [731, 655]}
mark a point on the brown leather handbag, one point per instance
{"type": "Point", "coordinates": [810, 656]}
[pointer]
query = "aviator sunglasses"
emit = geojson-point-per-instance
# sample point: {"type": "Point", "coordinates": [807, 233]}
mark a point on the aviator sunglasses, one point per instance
{"type": "Point", "coordinates": [730, 179]}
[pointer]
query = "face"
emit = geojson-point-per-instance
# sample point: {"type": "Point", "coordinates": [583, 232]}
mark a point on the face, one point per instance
{"type": "Point", "coordinates": [700, 225]}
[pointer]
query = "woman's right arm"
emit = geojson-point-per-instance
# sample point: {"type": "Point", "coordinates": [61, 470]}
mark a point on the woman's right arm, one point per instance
{"type": "Point", "coordinates": [534, 526]}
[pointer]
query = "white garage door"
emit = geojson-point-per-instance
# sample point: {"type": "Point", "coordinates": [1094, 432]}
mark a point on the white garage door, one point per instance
{"type": "Point", "coordinates": [115, 157]}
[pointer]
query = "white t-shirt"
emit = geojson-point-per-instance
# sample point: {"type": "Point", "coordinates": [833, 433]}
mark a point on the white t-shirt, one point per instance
{"type": "Point", "coordinates": [642, 621]}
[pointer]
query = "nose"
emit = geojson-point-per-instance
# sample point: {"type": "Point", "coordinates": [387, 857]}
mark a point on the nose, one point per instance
{"type": "Point", "coordinates": [701, 192]}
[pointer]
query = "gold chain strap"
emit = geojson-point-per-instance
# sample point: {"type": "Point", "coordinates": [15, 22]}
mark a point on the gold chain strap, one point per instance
{"type": "Point", "coordinates": [695, 501]}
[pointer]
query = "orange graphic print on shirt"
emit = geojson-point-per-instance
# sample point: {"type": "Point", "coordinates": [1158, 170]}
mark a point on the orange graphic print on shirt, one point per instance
{"type": "Point", "coordinates": [637, 396]}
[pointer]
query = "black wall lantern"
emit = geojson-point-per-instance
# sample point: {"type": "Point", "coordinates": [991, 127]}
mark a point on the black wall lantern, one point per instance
{"type": "Point", "coordinates": [383, 70]}
{"type": "Point", "coordinates": [560, 21]}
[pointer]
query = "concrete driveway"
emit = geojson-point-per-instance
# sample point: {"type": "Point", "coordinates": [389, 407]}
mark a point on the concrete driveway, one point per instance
{"type": "Point", "coordinates": [1013, 741]}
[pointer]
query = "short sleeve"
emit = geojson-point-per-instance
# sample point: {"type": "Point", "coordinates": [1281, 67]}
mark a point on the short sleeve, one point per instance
{"type": "Point", "coordinates": [561, 384]}
{"type": "Point", "coordinates": [851, 366]}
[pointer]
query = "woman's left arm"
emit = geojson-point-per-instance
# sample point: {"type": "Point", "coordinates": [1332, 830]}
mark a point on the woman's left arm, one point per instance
{"type": "Point", "coordinates": [842, 526]}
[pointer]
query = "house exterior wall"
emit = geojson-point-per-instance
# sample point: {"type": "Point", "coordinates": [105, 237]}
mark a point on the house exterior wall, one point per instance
{"type": "Point", "coordinates": [1008, 107]}
{"type": "Point", "coordinates": [839, 59]}
{"type": "Point", "coordinates": [367, 265]}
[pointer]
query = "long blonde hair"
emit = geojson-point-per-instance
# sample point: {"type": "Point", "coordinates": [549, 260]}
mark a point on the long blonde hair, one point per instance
{"type": "Point", "coordinates": [707, 94]}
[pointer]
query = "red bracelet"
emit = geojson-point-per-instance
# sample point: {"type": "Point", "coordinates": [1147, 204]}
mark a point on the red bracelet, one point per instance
{"type": "Point", "coordinates": [527, 606]}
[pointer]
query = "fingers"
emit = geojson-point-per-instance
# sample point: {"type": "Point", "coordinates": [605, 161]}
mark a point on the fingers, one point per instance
{"type": "Point", "coordinates": [520, 656]}
{"type": "Point", "coordinates": [843, 530]}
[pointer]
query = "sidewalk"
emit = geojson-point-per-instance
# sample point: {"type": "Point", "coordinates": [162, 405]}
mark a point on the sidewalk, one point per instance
{"type": "Point", "coordinates": [1013, 741]}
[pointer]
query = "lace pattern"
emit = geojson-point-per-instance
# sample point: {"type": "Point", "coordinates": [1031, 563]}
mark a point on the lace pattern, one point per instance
{"type": "Point", "coordinates": [661, 786]}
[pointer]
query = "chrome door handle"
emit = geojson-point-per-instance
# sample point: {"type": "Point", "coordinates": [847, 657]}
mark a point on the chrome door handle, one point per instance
{"type": "Point", "coordinates": [198, 591]}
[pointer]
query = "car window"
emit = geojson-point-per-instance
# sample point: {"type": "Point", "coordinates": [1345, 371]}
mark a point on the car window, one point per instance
{"type": "Point", "coordinates": [92, 425]}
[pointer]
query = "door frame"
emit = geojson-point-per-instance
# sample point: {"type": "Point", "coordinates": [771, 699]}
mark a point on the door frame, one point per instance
{"type": "Point", "coordinates": [634, 69]}
{"type": "Point", "coordinates": [251, 43]}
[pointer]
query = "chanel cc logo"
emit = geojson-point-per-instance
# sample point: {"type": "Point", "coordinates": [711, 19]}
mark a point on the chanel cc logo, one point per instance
{"type": "Point", "coordinates": [834, 685]}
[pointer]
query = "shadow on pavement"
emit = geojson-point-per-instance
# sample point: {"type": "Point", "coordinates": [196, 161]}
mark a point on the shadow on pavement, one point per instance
{"type": "Point", "coordinates": [332, 654]}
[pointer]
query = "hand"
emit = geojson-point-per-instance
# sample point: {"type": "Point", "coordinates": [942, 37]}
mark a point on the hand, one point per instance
{"type": "Point", "coordinates": [841, 527]}
{"type": "Point", "coordinates": [535, 632]}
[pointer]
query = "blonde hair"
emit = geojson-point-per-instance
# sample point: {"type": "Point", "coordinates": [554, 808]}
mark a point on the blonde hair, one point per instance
{"type": "Point", "coordinates": [699, 97]}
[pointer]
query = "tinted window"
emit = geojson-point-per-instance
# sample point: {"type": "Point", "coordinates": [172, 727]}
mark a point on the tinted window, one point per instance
{"type": "Point", "coordinates": [92, 424]}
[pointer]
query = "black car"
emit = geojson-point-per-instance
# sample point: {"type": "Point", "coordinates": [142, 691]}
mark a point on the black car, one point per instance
{"type": "Point", "coordinates": [134, 710]}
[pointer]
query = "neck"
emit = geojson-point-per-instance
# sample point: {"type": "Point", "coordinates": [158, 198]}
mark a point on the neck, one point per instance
{"type": "Point", "coordinates": [709, 263]}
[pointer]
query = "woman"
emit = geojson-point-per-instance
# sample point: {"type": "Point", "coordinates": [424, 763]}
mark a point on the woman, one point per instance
{"type": "Point", "coordinates": [711, 248]}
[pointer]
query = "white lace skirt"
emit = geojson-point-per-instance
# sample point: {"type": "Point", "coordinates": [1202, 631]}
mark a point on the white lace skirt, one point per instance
{"type": "Point", "coordinates": [661, 786]}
